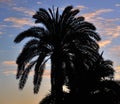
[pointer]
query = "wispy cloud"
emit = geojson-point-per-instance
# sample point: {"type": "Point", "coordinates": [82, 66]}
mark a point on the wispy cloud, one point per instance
{"type": "Point", "coordinates": [5, 1]}
{"type": "Point", "coordinates": [117, 68]}
{"type": "Point", "coordinates": [26, 11]}
{"type": "Point", "coordinates": [39, 3]}
{"type": "Point", "coordinates": [117, 5]}
{"type": "Point", "coordinates": [115, 50]}
{"type": "Point", "coordinates": [117, 72]}
{"type": "Point", "coordinates": [11, 63]}
{"type": "Point", "coordinates": [92, 15]}
{"type": "Point", "coordinates": [112, 32]}
{"type": "Point", "coordinates": [19, 22]}
{"type": "Point", "coordinates": [2, 26]}
{"type": "Point", "coordinates": [1, 33]}
{"type": "Point", "coordinates": [9, 72]}
{"type": "Point", "coordinates": [81, 7]}
{"type": "Point", "coordinates": [104, 43]}
{"type": "Point", "coordinates": [8, 2]}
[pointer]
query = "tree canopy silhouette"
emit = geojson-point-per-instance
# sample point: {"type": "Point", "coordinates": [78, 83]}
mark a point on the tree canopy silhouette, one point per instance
{"type": "Point", "coordinates": [71, 44]}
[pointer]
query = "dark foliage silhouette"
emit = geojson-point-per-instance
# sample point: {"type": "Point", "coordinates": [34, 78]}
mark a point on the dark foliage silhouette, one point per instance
{"type": "Point", "coordinates": [70, 43]}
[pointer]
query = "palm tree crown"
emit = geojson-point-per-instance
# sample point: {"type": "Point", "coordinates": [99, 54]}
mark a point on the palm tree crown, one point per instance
{"type": "Point", "coordinates": [63, 38]}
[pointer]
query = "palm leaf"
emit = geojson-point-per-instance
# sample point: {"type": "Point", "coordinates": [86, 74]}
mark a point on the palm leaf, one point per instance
{"type": "Point", "coordinates": [25, 75]}
{"type": "Point", "coordinates": [43, 12]}
{"type": "Point", "coordinates": [37, 66]}
{"type": "Point", "coordinates": [36, 32]}
{"type": "Point", "coordinates": [27, 54]}
{"type": "Point", "coordinates": [38, 75]}
{"type": "Point", "coordinates": [39, 78]}
{"type": "Point", "coordinates": [31, 43]}
{"type": "Point", "coordinates": [20, 70]}
{"type": "Point", "coordinates": [66, 11]}
{"type": "Point", "coordinates": [82, 25]}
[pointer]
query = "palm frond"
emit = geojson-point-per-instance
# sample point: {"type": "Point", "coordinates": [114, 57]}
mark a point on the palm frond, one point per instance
{"type": "Point", "coordinates": [112, 85]}
{"type": "Point", "coordinates": [39, 74]}
{"type": "Point", "coordinates": [25, 75]}
{"type": "Point", "coordinates": [108, 62]}
{"type": "Point", "coordinates": [37, 66]}
{"type": "Point", "coordinates": [27, 54]}
{"type": "Point", "coordinates": [91, 33]}
{"type": "Point", "coordinates": [76, 21]}
{"type": "Point", "coordinates": [31, 43]}
{"type": "Point", "coordinates": [36, 32]}
{"type": "Point", "coordinates": [83, 25]}
{"type": "Point", "coordinates": [69, 17]}
{"type": "Point", "coordinates": [39, 78]}
{"type": "Point", "coordinates": [57, 15]}
{"type": "Point", "coordinates": [66, 11]}
{"type": "Point", "coordinates": [43, 16]}
{"type": "Point", "coordinates": [104, 68]}
{"type": "Point", "coordinates": [20, 70]}
{"type": "Point", "coordinates": [44, 12]}
{"type": "Point", "coordinates": [52, 12]}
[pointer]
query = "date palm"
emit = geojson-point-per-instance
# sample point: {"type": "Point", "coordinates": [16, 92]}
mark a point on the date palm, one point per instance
{"type": "Point", "coordinates": [55, 40]}
{"type": "Point", "coordinates": [70, 43]}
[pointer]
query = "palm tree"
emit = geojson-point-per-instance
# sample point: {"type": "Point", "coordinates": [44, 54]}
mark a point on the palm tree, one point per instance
{"type": "Point", "coordinates": [95, 84]}
{"type": "Point", "coordinates": [54, 40]}
{"type": "Point", "coordinates": [70, 43]}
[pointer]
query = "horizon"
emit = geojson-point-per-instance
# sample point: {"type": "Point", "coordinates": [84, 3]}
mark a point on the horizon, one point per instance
{"type": "Point", "coordinates": [16, 16]}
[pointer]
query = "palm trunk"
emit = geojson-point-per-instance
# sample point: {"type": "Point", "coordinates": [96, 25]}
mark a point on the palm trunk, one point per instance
{"type": "Point", "coordinates": [57, 78]}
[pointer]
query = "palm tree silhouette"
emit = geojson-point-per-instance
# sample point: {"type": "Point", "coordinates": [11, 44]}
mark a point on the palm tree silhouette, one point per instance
{"type": "Point", "coordinates": [70, 43]}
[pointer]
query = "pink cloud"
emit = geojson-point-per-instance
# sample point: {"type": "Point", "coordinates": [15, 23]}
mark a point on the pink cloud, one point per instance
{"type": "Point", "coordinates": [9, 63]}
{"type": "Point", "coordinates": [19, 22]}
{"type": "Point", "coordinates": [1, 33]}
{"type": "Point", "coordinates": [104, 43]}
{"type": "Point", "coordinates": [117, 72]}
{"type": "Point", "coordinates": [117, 68]}
{"type": "Point", "coordinates": [93, 15]}
{"type": "Point", "coordinates": [113, 32]}
{"type": "Point", "coordinates": [9, 72]}
{"type": "Point", "coordinates": [80, 7]}
{"type": "Point", "coordinates": [115, 50]}
{"type": "Point", "coordinates": [24, 10]}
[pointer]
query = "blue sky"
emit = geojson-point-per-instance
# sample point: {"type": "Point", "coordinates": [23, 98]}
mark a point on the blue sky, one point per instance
{"type": "Point", "coordinates": [16, 16]}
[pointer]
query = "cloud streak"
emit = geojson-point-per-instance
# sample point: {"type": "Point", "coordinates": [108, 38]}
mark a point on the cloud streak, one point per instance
{"type": "Point", "coordinates": [92, 15]}
{"type": "Point", "coordinates": [104, 43]}
{"type": "Point", "coordinates": [19, 22]}
{"type": "Point", "coordinates": [115, 50]}
{"type": "Point", "coordinates": [9, 72]}
{"type": "Point", "coordinates": [26, 11]}
{"type": "Point", "coordinates": [81, 7]}
{"type": "Point", "coordinates": [117, 5]}
{"type": "Point", "coordinates": [8, 2]}
{"type": "Point", "coordinates": [117, 73]}
{"type": "Point", "coordinates": [5, 1]}
{"type": "Point", "coordinates": [1, 33]}
{"type": "Point", "coordinates": [11, 63]}
{"type": "Point", "coordinates": [39, 3]}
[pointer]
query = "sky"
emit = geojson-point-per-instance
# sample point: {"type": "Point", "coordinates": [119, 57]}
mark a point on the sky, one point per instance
{"type": "Point", "coordinates": [16, 16]}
